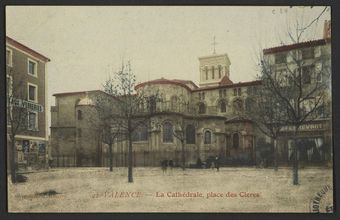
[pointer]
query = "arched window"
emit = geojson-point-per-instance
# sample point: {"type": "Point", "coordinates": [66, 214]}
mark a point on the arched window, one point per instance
{"type": "Point", "coordinates": [236, 140]}
{"type": "Point", "coordinates": [140, 133]}
{"type": "Point", "coordinates": [238, 105]}
{"type": "Point", "coordinates": [79, 115]}
{"type": "Point", "coordinates": [167, 133]}
{"type": "Point", "coordinates": [213, 72]}
{"type": "Point", "coordinates": [141, 106]}
{"type": "Point", "coordinates": [207, 137]}
{"type": "Point", "coordinates": [173, 103]}
{"type": "Point", "coordinates": [190, 134]}
{"type": "Point", "coordinates": [248, 104]}
{"type": "Point", "coordinates": [223, 106]}
{"type": "Point", "coordinates": [201, 108]}
{"type": "Point", "coordinates": [152, 104]}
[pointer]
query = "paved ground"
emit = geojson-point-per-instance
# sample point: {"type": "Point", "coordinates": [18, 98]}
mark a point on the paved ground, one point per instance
{"type": "Point", "coordinates": [230, 190]}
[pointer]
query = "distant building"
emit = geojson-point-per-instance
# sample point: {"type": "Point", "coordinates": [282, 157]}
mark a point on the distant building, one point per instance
{"type": "Point", "coordinates": [26, 76]}
{"type": "Point", "coordinates": [74, 139]}
{"type": "Point", "coordinates": [212, 112]}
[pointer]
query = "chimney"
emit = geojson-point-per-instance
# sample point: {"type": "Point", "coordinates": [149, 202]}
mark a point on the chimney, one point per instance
{"type": "Point", "coordinates": [327, 29]}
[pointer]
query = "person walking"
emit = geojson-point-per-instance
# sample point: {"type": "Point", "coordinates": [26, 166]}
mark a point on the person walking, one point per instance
{"type": "Point", "coordinates": [171, 165]}
{"type": "Point", "coordinates": [164, 165]}
{"type": "Point", "coordinates": [217, 163]}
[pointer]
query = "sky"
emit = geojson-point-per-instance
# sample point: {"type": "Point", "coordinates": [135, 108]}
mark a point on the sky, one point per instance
{"type": "Point", "coordinates": [87, 43]}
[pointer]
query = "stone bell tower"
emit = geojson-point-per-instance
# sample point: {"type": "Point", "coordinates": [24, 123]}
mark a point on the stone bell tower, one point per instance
{"type": "Point", "coordinates": [213, 69]}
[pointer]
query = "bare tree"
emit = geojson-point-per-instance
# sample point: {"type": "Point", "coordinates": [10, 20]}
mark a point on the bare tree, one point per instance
{"type": "Point", "coordinates": [129, 111]}
{"type": "Point", "coordinates": [17, 114]}
{"type": "Point", "coordinates": [180, 131]}
{"type": "Point", "coordinates": [104, 121]}
{"type": "Point", "coordinates": [299, 80]}
{"type": "Point", "coordinates": [268, 114]}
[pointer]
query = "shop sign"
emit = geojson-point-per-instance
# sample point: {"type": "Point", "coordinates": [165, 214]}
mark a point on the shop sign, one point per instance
{"type": "Point", "coordinates": [305, 127]}
{"type": "Point", "coordinates": [31, 106]}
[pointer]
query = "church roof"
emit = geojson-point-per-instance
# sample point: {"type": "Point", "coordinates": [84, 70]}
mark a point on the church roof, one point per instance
{"type": "Point", "coordinates": [225, 81]}
{"type": "Point", "coordinates": [188, 84]}
{"type": "Point", "coordinates": [233, 85]}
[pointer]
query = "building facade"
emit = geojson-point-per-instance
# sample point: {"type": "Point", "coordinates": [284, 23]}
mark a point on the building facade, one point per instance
{"type": "Point", "coordinates": [315, 134]}
{"type": "Point", "coordinates": [213, 117]}
{"type": "Point", "coordinates": [26, 76]}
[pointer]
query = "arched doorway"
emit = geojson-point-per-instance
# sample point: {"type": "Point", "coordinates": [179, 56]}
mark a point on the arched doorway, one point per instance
{"type": "Point", "coordinates": [236, 140]}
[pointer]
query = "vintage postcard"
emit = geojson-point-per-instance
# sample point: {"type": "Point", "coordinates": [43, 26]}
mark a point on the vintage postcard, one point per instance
{"type": "Point", "coordinates": [169, 109]}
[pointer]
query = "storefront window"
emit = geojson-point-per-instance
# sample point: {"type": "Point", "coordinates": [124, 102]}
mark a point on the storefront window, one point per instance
{"type": "Point", "coordinates": [309, 149]}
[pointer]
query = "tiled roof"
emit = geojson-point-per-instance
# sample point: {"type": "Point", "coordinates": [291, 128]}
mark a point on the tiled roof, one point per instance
{"type": "Point", "coordinates": [175, 82]}
{"type": "Point", "coordinates": [289, 47]}
{"type": "Point", "coordinates": [225, 81]}
{"type": "Point", "coordinates": [240, 84]}
{"type": "Point", "coordinates": [75, 93]}
{"type": "Point", "coordinates": [28, 50]}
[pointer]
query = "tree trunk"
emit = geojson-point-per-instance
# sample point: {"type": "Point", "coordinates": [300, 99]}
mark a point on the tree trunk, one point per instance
{"type": "Point", "coordinates": [183, 156]}
{"type": "Point", "coordinates": [130, 178]}
{"type": "Point", "coordinates": [296, 161]}
{"type": "Point", "coordinates": [110, 157]}
{"type": "Point", "coordinates": [12, 161]}
{"type": "Point", "coordinates": [275, 154]}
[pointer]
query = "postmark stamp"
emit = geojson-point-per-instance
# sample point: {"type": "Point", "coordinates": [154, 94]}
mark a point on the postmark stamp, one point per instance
{"type": "Point", "coordinates": [322, 201]}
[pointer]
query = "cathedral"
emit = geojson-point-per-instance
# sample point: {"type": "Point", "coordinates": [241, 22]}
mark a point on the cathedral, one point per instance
{"type": "Point", "coordinates": [212, 112]}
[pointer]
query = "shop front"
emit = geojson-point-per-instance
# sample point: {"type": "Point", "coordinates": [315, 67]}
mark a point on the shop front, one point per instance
{"type": "Point", "coordinates": [313, 142]}
{"type": "Point", "coordinates": [31, 154]}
